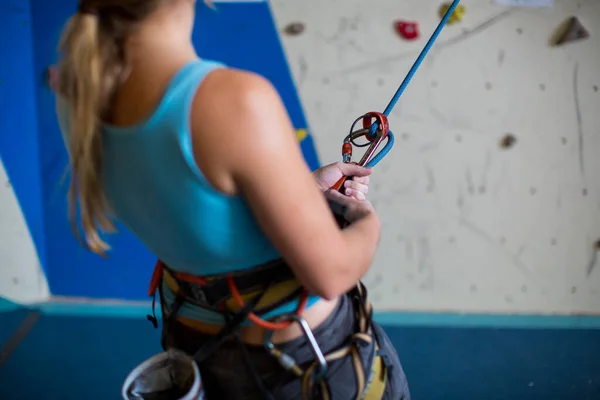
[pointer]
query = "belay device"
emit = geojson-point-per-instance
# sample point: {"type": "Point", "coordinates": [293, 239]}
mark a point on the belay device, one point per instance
{"type": "Point", "coordinates": [174, 375]}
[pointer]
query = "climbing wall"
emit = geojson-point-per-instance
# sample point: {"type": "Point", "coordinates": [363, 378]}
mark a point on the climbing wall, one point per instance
{"type": "Point", "coordinates": [39, 249]}
{"type": "Point", "coordinates": [21, 220]}
{"type": "Point", "coordinates": [490, 199]}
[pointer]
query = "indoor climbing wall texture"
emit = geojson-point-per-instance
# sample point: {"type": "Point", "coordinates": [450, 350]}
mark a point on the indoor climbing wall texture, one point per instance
{"type": "Point", "coordinates": [490, 199]}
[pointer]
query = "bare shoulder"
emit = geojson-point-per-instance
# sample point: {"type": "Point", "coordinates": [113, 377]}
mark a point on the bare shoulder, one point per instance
{"type": "Point", "coordinates": [237, 116]}
{"type": "Point", "coordinates": [226, 82]}
{"type": "Point", "coordinates": [235, 92]}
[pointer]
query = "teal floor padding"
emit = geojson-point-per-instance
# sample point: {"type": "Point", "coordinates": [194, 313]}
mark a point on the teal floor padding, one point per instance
{"type": "Point", "coordinates": [75, 358]}
{"type": "Point", "coordinates": [65, 358]}
{"type": "Point", "coordinates": [9, 323]}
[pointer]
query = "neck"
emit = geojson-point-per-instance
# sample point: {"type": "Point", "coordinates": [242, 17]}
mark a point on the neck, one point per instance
{"type": "Point", "coordinates": [165, 33]}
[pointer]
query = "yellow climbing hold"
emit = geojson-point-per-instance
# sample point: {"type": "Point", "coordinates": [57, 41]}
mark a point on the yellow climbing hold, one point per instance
{"type": "Point", "coordinates": [301, 134]}
{"type": "Point", "coordinates": [456, 16]}
{"type": "Point", "coordinates": [210, 4]}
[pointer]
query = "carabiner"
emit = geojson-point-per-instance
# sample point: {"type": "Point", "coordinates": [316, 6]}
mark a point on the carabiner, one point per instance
{"type": "Point", "coordinates": [286, 360]}
{"type": "Point", "coordinates": [375, 132]}
{"type": "Point", "coordinates": [373, 142]}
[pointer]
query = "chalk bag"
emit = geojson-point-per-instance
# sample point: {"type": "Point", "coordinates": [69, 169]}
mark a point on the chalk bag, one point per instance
{"type": "Point", "coordinates": [172, 375]}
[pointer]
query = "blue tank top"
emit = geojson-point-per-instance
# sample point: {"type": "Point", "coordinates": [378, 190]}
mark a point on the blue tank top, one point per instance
{"type": "Point", "coordinates": [157, 191]}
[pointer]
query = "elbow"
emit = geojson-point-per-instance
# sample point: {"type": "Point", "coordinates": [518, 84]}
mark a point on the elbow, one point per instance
{"type": "Point", "coordinates": [328, 273]}
{"type": "Point", "coordinates": [331, 282]}
{"type": "Point", "coordinates": [323, 290]}
{"type": "Point", "coordinates": [330, 291]}
{"type": "Point", "coordinates": [330, 294]}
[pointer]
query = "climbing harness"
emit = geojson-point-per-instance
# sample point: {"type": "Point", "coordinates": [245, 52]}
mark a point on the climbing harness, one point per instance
{"type": "Point", "coordinates": [218, 293]}
{"type": "Point", "coordinates": [370, 380]}
{"type": "Point", "coordinates": [249, 295]}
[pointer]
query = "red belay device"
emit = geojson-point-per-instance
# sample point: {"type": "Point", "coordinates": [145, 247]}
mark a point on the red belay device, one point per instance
{"type": "Point", "coordinates": [175, 375]}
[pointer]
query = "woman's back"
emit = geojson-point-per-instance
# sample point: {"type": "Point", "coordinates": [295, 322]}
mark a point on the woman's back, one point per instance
{"type": "Point", "coordinates": [155, 188]}
{"type": "Point", "coordinates": [119, 60]}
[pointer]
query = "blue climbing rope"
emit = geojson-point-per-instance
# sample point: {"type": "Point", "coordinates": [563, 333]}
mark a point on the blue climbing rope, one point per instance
{"type": "Point", "coordinates": [372, 130]}
{"type": "Point", "coordinates": [419, 59]}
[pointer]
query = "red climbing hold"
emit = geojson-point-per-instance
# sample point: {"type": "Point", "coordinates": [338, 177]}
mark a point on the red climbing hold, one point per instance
{"type": "Point", "coordinates": [408, 30]}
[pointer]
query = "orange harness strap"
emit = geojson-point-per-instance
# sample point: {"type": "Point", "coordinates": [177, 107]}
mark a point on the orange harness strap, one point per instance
{"type": "Point", "coordinates": [272, 326]}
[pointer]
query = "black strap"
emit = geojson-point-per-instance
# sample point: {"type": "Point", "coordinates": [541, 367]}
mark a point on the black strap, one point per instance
{"type": "Point", "coordinates": [231, 327]}
{"type": "Point", "coordinates": [338, 212]}
{"type": "Point", "coordinates": [152, 317]}
{"type": "Point", "coordinates": [255, 376]}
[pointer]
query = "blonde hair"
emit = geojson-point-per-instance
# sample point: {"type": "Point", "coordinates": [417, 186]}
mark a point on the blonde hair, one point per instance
{"type": "Point", "coordinates": [92, 66]}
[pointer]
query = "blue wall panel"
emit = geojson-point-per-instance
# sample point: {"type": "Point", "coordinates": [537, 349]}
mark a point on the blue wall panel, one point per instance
{"type": "Point", "coordinates": [71, 270]}
{"type": "Point", "coordinates": [241, 34]}
{"type": "Point", "coordinates": [19, 149]}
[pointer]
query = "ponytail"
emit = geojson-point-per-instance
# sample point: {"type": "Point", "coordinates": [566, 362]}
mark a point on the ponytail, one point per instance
{"type": "Point", "coordinates": [92, 66]}
{"type": "Point", "coordinates": [89, 71]}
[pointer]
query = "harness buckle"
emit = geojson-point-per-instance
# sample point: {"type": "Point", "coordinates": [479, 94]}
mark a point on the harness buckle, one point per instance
{"type": "Point", "coordinates": [199, 295]}
{"type": "Point", "coordinates": [287, 361]}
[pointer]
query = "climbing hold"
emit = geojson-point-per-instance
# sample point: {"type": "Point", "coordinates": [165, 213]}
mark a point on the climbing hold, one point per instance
{"type": "Point", "coordinates": [301, 134]}
{"type": "Point", "coordinates": [508, 141]}
{"type": "Point", "coordinates": [570, 31]}
{"type": "Point", "coordinates": [210, 5]}
{"type": "Point", "coordinates": [294, 29]}
{"type": "Point", "coordinates": [456, 16]}
{"type": "Point", "coordinates": [408, 30]}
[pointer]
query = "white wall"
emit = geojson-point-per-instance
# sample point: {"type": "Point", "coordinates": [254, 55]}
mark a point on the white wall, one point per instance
{"type": "Point", "coordinates": [467, 226]}
{"type": "Point", "coordinates": [22, 279]}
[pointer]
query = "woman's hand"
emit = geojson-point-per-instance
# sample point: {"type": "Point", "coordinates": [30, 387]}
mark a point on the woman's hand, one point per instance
{"type": "Point", "coordinates": [353, 209]}
{"type": "Point", "coordinates": [358, 187]}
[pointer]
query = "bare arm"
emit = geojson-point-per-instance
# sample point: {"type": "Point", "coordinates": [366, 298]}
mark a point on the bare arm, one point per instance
{"type": "Point", "coordinates": [242, 119]}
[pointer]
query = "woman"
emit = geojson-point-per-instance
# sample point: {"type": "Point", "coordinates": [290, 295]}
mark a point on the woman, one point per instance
{"type": "Point", "coordinates": [201, 163]}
